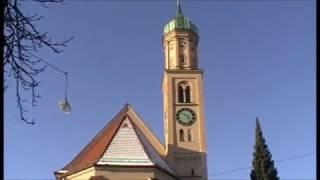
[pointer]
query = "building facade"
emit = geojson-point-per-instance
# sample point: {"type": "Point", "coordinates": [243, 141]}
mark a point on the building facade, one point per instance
{"type": "Point", "coordinates": [126, 149]}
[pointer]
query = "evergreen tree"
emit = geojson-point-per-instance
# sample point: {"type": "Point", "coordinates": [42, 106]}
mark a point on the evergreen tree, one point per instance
{"type": "Point", "coordinates": [263, 165]}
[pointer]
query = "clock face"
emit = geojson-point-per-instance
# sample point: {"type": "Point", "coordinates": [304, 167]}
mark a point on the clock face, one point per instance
{"type": "Point", "coordinates": [186, 116]}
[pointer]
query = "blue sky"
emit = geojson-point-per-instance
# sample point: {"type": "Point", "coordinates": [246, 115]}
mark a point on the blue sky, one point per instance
{"type": "Point", "coordinates": [258, 58]}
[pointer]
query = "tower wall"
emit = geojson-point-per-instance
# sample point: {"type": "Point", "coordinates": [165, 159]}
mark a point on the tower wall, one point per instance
{"type": "Point", "coordinates": [184, 121]}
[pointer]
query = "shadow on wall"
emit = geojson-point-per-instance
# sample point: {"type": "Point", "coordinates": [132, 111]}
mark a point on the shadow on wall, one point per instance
{"type": "Point", "coordinates": [187, 163]}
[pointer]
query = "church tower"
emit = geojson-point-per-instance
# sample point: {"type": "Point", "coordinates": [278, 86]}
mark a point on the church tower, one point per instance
{"type": "Point", "coordinates": [182, 87]}
{"type": "Point", "coordinates": [126, 148]}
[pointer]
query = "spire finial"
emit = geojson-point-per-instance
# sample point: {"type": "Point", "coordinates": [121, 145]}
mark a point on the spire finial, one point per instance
{"type": "Point", "coordinates": [126, 103]}
{"type": "Point", "coordinates": [179, 10]}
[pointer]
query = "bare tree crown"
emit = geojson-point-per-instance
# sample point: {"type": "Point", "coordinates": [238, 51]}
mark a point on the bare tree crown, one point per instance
{"type": "Point", "coordinates": [22, 42]}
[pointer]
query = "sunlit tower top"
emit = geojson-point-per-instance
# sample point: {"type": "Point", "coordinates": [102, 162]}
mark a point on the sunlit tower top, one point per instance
{"type": "Point", "coordinates": [180, 42]}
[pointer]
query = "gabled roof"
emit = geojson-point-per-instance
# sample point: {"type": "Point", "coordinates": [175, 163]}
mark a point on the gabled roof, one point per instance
{"type": "Point", "coordinates": [130, 147]}
{"type": "Point", "coordinates": [124, 141]}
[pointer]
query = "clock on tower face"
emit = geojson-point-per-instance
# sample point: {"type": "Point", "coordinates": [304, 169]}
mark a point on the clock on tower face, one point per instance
{"type": "Point", "coordinates": [186, 116]}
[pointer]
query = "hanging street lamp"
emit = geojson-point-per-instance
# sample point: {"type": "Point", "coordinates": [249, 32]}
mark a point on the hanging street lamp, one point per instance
{"type": "Point", "coordinates": [64, 104]}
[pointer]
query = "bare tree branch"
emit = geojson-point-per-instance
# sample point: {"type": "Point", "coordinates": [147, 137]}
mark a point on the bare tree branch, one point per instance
{"type": "Point", "coordinates": [22, 41]}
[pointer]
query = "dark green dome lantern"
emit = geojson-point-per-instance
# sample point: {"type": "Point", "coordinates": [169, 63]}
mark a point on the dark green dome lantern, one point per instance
{"type": "Point", "coordinates": [180, 22]}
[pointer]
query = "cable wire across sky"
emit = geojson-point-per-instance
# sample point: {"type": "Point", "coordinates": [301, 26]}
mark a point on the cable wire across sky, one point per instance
{"type": "Point", "coordinates": [277, 161]}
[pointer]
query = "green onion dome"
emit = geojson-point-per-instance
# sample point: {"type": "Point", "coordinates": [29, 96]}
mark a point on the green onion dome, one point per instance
{"type": "Point", "coordinates": [180, 22]}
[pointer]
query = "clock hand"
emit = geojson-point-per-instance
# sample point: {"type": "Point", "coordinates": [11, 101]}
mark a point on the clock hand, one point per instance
{"type": "Point", "coordinates": [186, 116]}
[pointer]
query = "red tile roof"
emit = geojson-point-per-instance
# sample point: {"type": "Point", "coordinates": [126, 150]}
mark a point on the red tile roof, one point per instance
{"type": "Point", "coordinates": [92, 152]}
{"type": "Point", "coordinates": [96, 148]}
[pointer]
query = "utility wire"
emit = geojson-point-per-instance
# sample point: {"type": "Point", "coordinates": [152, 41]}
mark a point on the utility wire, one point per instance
{"type": "Point", "coordinates": [61, 71]}
{"type": "Point", "coordinates": [278, 161]}
{"type": "Point", "coordinates": [54, 67]}
{"type": "Point", "coordinates": [296, 157]}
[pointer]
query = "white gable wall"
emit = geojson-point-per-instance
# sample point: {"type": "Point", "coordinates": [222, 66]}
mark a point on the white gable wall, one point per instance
{"type": "Point", "coordinates": [125, 148]}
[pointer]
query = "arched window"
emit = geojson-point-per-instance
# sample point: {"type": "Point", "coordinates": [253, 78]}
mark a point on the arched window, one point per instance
{"type": "Point", "coordinates": [182, 52]}
{"type": "Point", "coordinates": [189, 135]}
{"type": "Point", "coordinates": [182, 59]}
{"type": "Point", "coordinates": [187, 91]}
{"type": "Point", "coordinates": [192, 172]}
{"type": "Point", "coordinates": [181, 134]}
{"type": "Point", "coordinates": [184, 92]}
{"type": "Point", "coordinates": [180, 94]}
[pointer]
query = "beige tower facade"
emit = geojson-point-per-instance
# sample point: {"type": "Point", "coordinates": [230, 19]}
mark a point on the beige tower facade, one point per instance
{"type": "Point", "coordinates": [182, 86]}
